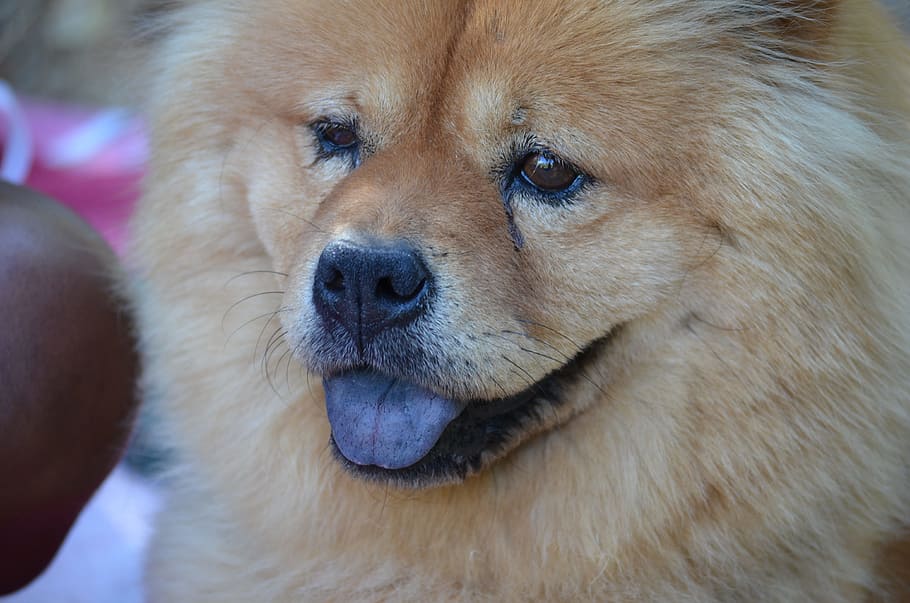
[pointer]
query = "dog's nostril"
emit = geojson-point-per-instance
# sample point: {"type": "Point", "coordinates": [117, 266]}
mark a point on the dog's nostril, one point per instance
{"type": "Point", "coordinates": [335, 282]}
{"type": "Point", "coordinates": [399, 291]}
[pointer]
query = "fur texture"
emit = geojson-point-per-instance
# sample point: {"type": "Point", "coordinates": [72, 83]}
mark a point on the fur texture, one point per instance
{"type": "Point", "coordinates": [743, 435]}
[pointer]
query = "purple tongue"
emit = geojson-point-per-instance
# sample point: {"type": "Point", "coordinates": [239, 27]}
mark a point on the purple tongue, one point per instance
{"type": "Point", "coordinates": [378, 420]}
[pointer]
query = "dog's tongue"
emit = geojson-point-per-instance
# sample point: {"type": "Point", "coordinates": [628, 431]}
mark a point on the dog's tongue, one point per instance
{"type": "Point", "coordinates": [378, 420]}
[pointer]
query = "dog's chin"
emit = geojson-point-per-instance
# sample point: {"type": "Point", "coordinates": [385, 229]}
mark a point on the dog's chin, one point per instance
{"type": "Point", "coordinates": [481, 432]}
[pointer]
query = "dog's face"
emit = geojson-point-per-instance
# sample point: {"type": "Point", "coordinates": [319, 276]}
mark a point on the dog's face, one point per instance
{"type": "Point", "coordinates": [469, 202]}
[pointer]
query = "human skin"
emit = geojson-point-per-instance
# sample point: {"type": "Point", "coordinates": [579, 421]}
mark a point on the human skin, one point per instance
{"type": "Point", "coordinates": [67, 375]}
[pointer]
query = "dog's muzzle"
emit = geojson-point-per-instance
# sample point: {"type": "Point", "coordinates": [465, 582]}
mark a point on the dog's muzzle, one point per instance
{"type": "Point", "coordinates": [368, 290]}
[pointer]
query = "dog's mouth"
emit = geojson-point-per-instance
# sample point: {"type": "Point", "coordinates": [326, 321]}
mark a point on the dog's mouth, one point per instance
{"type": "Point", "coordinates": [386, 429]}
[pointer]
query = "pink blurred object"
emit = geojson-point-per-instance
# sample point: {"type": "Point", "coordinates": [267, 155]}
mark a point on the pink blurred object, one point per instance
{"type": "Point", "coordinates": [89, 159]}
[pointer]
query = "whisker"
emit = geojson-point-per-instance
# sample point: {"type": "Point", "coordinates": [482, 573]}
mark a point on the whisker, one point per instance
{"type": "Point", "coordinates": [287, 369]}
{"type": "Point", "coordinates": [505, 394]}
{"type": "Point", "coordinates": [272, 314]}
{"type": "Point", "coordinates": [565, 357]}
{"type": "Point", "coordinates": [303, 368]}
{"type": "Point", "coordinates": [531, 381]}
{"type": "Point", "coordinates": [274, 339]}
{"type": "Point", "coordinates": [272, 345]}
{"type": "Point", "coordinates": [312, 224]}
{"type": "Point", "coordinates": [522, 348]}
{"type": "Point", "coordinates": [536, 385]}
{"type": "Point", "coordinates": [552, 330]}
{"type": "Point", "coordinates": [247, 298]}
{"type": "Point", "coordinates": [583, 373]}
{"type": "Point", "coordinates": [287, 381]}
{"type": "Point", "coordinates": [251, 272]}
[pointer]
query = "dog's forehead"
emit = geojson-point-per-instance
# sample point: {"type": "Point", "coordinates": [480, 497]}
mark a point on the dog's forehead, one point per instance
{"type": "Point", "coordinates": [470, 76]}
{"type": "Point", "coordinates": [496, 65]}
{"type": "Point", "coordinates": [523, 66]}
{"type": "Point", "coordinates": [396, 53]}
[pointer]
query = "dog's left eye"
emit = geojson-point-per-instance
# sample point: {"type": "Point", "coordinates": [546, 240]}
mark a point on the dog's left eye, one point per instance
{"type": "Point", "coordinates": [337, 139]}
{"type": "Point", "coordinates": [339, 136]}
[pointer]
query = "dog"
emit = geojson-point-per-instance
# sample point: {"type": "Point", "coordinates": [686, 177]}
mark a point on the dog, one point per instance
{"type": "Point", "coordinates": [511, 300]}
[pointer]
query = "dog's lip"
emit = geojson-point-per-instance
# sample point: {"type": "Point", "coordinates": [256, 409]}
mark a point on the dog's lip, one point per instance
{"type": "Point", "coordinates": [485, 430]}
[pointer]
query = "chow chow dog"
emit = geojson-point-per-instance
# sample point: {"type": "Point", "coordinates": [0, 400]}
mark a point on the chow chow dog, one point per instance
{"type": "Point", "coordinates": [512, 300]}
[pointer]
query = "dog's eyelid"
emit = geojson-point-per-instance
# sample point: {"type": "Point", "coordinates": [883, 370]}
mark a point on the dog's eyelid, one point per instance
{"type": "Point", "coordinates": [349, 122]}
{"type": "Point", "coordinates": [527, 143]}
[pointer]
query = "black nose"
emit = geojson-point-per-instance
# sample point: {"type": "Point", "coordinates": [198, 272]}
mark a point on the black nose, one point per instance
{"type": "Point", "coordinates": [370, 288]}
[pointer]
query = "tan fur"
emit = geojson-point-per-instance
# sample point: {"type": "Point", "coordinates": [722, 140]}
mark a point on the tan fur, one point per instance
{"type": "Point", "coordinates": [744, 437]}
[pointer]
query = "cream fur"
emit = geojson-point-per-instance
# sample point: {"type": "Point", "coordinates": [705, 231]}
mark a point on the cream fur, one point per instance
{"type": "Point", "coordinates": [746, 437]}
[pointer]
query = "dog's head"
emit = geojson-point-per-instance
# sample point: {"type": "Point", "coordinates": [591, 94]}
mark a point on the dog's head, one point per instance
{"type": "Point", "coordinates": [473, 202]}
{"type": "Point", "coordinates": [467, 213]}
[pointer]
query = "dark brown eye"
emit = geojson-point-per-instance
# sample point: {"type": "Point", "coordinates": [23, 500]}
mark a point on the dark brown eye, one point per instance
{"type": "Point", "coordinates": [547, 173]}
{"type": "Point", "coordinates": [339, 135]}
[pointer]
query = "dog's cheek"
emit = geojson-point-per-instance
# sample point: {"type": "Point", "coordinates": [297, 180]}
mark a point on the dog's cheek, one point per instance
{"type": "Point", "coordinates": [283, 192]}
{"type": "Point", "coordinates": [610, 271]}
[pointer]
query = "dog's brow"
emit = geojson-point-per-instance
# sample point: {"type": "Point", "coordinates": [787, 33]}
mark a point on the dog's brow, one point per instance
{"type": "Point", "coordinates": [519, 115]}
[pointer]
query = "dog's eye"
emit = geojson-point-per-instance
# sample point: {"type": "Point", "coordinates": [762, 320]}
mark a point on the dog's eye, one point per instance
{"type": "Point", "coordinates": [339, 135]}
{"type": "Point", "coordinates": [337, 139]}
{"type": "Point", "coordinates": [547, 173]}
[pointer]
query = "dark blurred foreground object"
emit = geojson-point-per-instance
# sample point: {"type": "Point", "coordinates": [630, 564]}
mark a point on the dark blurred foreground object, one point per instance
{"type": "Point", "coordinates": [67, 377]}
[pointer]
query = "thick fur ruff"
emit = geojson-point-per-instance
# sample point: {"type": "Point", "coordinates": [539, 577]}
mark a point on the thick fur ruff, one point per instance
{"type": "Point", "coordinates": [743, 435]}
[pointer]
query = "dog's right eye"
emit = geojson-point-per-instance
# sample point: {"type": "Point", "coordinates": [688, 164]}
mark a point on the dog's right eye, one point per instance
{"type": "Point", "coordinates": [548, 173]}
{"type": "Point", "coordinates": [543, 175]}
{"type": "Point", "coordinates": [336, 138]}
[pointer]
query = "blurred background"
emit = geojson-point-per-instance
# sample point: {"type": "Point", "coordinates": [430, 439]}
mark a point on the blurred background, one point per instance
{"type": "Point", "coordinates": [69, 49]}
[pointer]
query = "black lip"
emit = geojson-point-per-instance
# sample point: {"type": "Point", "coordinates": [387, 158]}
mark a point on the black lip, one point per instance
{"type": "Point", "coordinates": [485, 431]}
